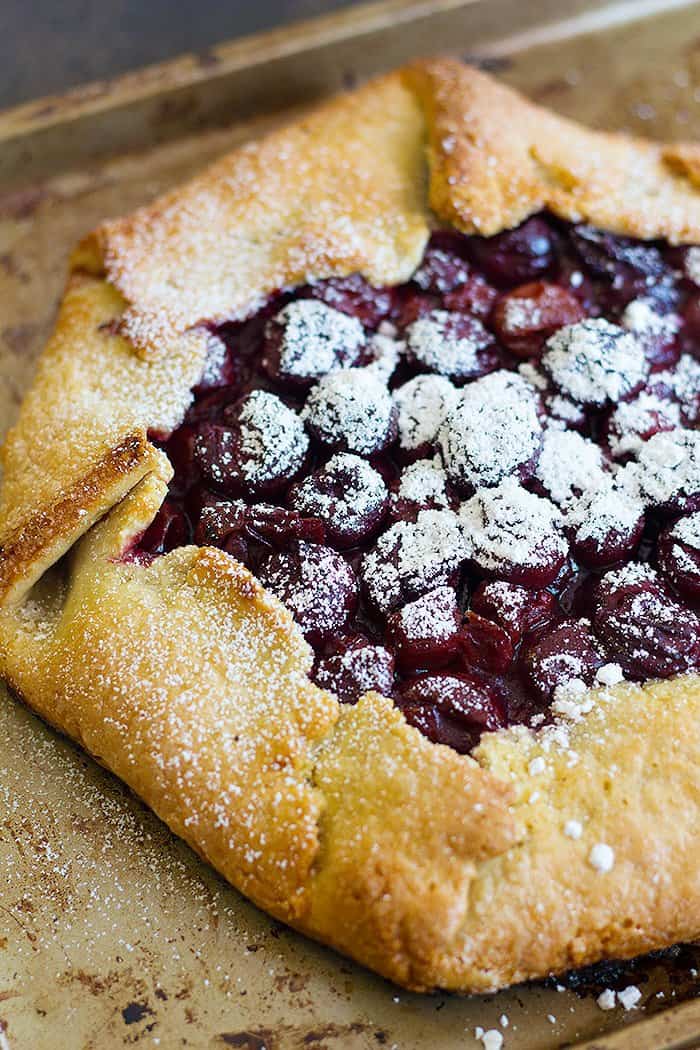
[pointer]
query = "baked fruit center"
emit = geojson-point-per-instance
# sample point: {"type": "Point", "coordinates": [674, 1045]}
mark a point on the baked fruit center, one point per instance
{"type": "Point", "coordinates": [477, 492]}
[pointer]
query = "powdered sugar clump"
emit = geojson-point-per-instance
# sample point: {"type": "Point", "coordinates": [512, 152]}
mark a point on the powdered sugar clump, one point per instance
{"type": "Point", "coordinates": [508, 528]}
{"type": "Point", "coordinates": [411, 558]}
{"type": "Point", "coordinates": [423, 403]}
{"type": "Point", "coordinates": [631, 421]}
{"type": "Point", "coordinates": [667, 470]}
{"type": "Point", "coordinates": [492, 431]}
{"type": "Point", "coordinates": [448, 344]}
{"type": "Point", "coordinates": [629, 996]}
{"type": "Point", "coordinates": [432, 616]}
{"type": "Point", "coordinates": [385, 354]}
{"type": "Point", "coordinates": [609, 675]}
{"type": "Point", "coordinates": [424, 481]}
{"type": "Point", "coordinates": [272, 438]}
{"type": "Point", "coordinates": [603, 511]}
{"type": "Point", "coordinates": [352, 410]}
{"type": "Point", "coordinates": [569, 465]}
{"type": "Point", "coordinates": [315, 339]}
{"type": "Point", "coordinates": [640, 317]}
{"type": "Point", "coordinates": [602, 858]}
{"type": "Point", "coordinates": [355, 490]}
{"type": "Point", "coordinates": [594, 361]}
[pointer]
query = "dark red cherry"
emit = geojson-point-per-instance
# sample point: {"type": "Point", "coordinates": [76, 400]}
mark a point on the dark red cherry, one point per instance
{"type": "Point", "coordinates": [691, 318]}
{"type": "Point", "coordinates": [219, 367]}
{"type": "Point", "coordinates": [446, 274]}
{"type": "Point", "coordinates": [514, 535]}
{"type": "Point", "coordinates": [425, 633]}
{"type": "Point", "coordinates": [526, 317]}
{"type": "Point", "coordinates": [180, 449]}
{"type": "Point", "coordinates": [259, 450]}
{"type": "Point", "coordinates": [642, 626]}
{"type": "Point", "coordinates": [415, 304]}
{"type": "Point", "coordinates": [569, 651]}
{"type": "Point", "coordinates": [678, 554]}
{"type": "Point", "coordinates": [516, 256]}
{"type": "Point", "coordinates": [169, 529]}
{"type": "Point", "coordinates": [422, 485]}
{"type": "Point", "coordinates": [630, 266]}
{"type": "Point", "coordinates": [355, 296]}
{"type": "Point", "coordinates": [605, 526]}
{"type": "Point", "coordinates": [412, 558]}
{"type": "Point", "coordinates": [348, 495]}
{"type": "Point", "coordinates": [351, 411]}
{"type": "Point", "coordinates": [666, 474]}
{"type": "Point", "coordinates": [442, 269]}
{"type": "Point", "coordinates": [474, 297]}
{"type": "Point", "coordinates": [307, 339]}
{"type": "Point", "coordinates": [231, 525]}
{"type": "Point", "coordinates": [218, 520]}
{"type": "Point", "coordinates": [354, 668]}
{"type": "Point", "coordinates": [452, 709]}
{"type": "Point", "coordinates": [280, 527]}
{"type": "Point", "coordinates": [485, 644]}
{"type": "Point", "coordinates": [628, 425]}
{"type": "Point", "coordinates": [453, 345]}
{"type": "Point", "coordinates": [316, 584]}
{"type": "Point", "coordinates": [572, 278]}
{"type": "Point", "coordinates": [516, 609]}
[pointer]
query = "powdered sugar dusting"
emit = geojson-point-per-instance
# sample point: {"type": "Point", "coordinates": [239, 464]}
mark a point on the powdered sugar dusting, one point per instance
{"type": "Point", "coordinates": [667, 469]}
{"type": "Point", "coordinates": [362, 492]}
{"type": "Point", "coordinates": [595, 361]}
{"type": "Point", "coordinates": [604, 510]}
{"type": "Point", "coordinates": [508, 526]}
{"type": "Point", "coordinates": [569, 465]}
{"type": "Point", "coordinates": [492, 431]}
{"type": "Point", "coordinates": [424, 482]}
{"type": "Point", "coordinates": [431, 616]}
{"type": "Point", "coordinates": [352, 409]}
{"type": "Point", "coordinates": [315, 339]}
{"type": "Point", "coordinates": [640, 317]}
{"type": "Point", "coordinates": [411, 558]}
{"type": "Point", "coordinates": [631, 422]}
{"type": "Point", "coordinates": [272, 438]}
{"type": "Point", "coordinates": [423, 403]}
{"type": "Point", "coordinates": [435, 345]}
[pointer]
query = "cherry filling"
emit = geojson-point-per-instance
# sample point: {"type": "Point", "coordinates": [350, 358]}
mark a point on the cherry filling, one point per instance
{"type": "Point", "coordinates": [473, 491]}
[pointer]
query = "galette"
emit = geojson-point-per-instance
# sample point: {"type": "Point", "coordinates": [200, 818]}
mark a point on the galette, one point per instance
{"type": "Point", "coordinates": [353, 520]}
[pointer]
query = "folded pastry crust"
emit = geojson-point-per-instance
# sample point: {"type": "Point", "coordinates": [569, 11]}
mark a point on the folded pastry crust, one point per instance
{"type": "Point", "coordinates": [190, 682]}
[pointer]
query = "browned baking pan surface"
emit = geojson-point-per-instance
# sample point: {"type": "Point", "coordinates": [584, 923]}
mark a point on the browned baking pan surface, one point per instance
{"type": "Point", "coordinates": [112, 933]}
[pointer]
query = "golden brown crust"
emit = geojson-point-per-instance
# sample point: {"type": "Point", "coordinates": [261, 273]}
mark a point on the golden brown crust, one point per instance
{"type": "Point", "coordinates": [30, 549]}
{"type": "Point", "coordinates": [80, 442]}
{"type": "Point", "coordinates": [189, 681]}
{"type": "Point", "coordinates": [235, 748]}
{"type": "Point", "coordinates": [340, 192]}
{"type": "Point", "coordinates": [496, 158]}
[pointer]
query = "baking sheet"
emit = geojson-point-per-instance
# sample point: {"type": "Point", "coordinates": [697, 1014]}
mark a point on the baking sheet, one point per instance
{"type": "Point", "coordinates": [112, 933]}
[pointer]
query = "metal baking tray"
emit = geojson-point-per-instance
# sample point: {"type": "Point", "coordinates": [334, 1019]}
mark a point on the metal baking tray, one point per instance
{"type": "Point", "coordinates": [112, 933]}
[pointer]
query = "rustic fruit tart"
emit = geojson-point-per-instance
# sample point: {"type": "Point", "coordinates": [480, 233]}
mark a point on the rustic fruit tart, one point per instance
{"type": "Point", "coordinates": [356, 524]}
